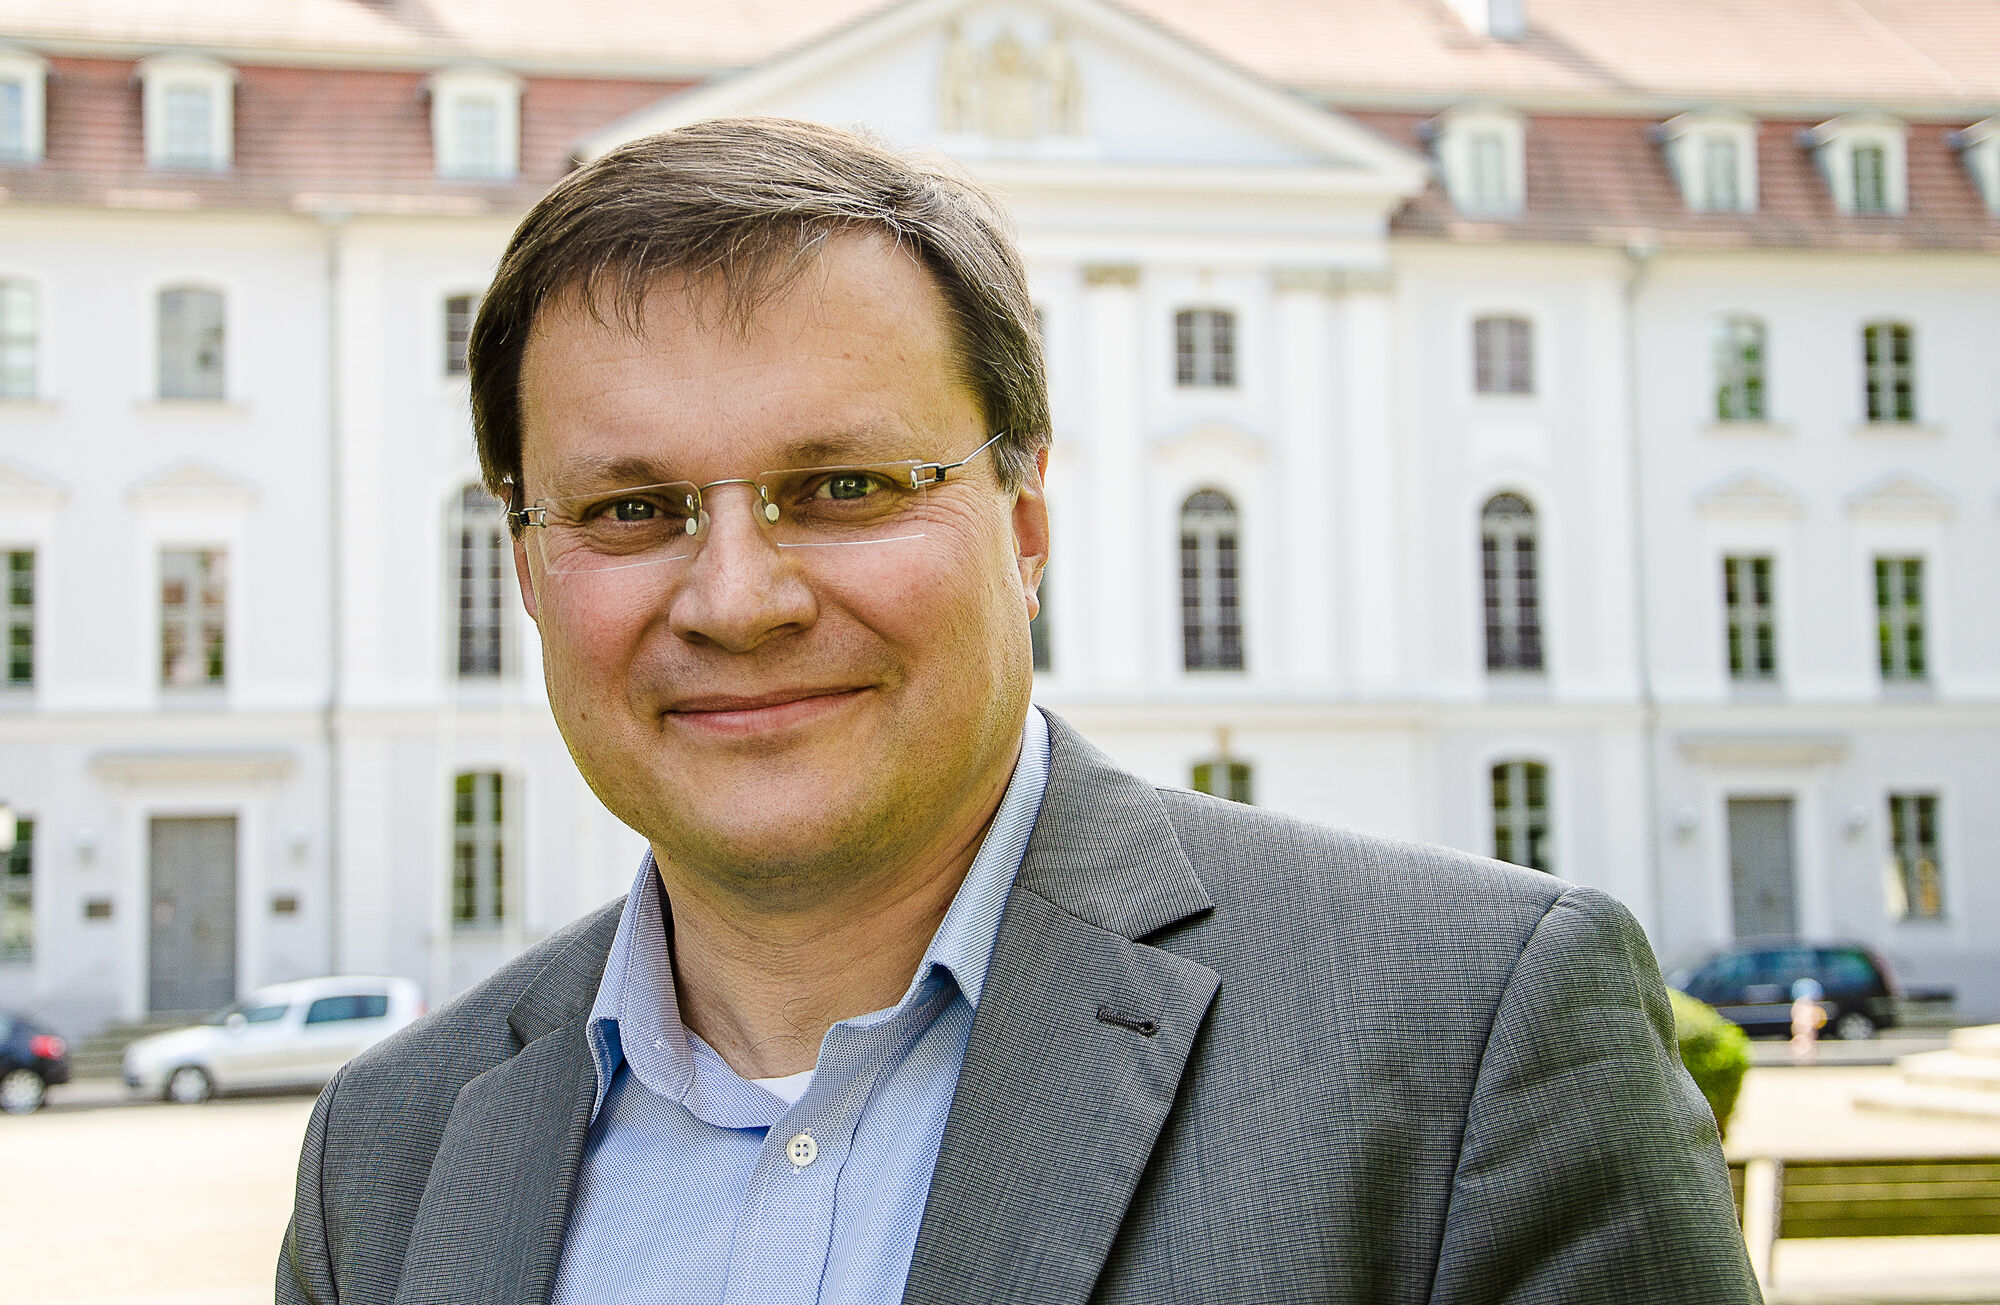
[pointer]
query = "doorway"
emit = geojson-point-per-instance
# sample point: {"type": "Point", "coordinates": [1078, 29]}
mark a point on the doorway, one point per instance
{"type": "Point", "coordinates": [193, 896]}
{"type": "Point", "coordinates": [1762, 877]}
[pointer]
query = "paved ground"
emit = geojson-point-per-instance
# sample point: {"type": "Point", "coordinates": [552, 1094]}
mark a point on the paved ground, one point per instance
{"type": "Point", "coordinates": [171, 1205]}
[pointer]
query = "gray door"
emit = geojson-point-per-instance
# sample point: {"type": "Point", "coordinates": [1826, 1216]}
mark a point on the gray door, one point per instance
{"type": "Point", "coordinates": [193, 913]}
{"type": "Point", "coordinates": [1760, 866]}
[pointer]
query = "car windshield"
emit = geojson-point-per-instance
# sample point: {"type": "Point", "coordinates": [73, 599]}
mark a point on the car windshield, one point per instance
{"type": "Point", "coordinates": [252, 1010]}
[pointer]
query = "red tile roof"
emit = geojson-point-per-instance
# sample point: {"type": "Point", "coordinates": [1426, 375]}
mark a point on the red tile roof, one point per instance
{"type": "Point", "coordinates": [1606, 180]}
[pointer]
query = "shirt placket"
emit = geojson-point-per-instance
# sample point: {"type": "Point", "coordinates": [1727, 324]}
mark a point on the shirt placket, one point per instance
{"type": "Point", "coordinates": [784, 1231]}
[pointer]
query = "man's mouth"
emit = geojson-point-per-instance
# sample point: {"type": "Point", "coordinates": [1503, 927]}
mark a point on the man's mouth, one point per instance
{"type": "Point", "coordinates": [742, 714]}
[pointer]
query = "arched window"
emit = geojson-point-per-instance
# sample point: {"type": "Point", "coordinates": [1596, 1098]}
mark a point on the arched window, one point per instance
{"type": "Point", "coordinates": [1889, 355]}
{"type": "Point", "coordinates": [1211, 613]}
{"type": "Point", "coordinates": [1513, 592]}
{"type": "Point", "coordinates": [1503, 355]}
{"type": "Point", "coordinates": [20, 338]}
{"type": "Point", "coordinates": [459, 310]}
{"type": "Point", "coordinates": [1205, 347]}
{"type": "Point", "coordinates": [1739, 369]}
{"type": "Point", "coordinates": [485, 568]}
{"type": "Point", "coordinates": [191, 344]}
{"type": "Point", "coordinates": [1521, 814]}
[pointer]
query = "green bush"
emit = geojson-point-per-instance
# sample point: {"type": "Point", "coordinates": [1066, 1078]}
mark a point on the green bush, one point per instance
{"type": "Point", "coordinates": [1716, 1054]}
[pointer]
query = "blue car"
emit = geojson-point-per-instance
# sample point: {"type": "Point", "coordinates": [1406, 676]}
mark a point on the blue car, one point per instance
{"type": "Point", "coordinates": [31, 1058]}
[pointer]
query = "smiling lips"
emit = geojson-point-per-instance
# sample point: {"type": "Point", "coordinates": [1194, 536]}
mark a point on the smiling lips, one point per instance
{"type": "Point", "coordinates": [738, 715]}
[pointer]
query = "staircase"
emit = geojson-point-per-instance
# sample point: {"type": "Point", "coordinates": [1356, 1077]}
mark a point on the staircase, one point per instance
{"type": "Point", "coordinates": [1960, 1082]}
{"type": "Point", "coordinates": [102, 1054]}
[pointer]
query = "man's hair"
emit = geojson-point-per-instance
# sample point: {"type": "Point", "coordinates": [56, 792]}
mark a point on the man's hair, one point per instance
{"type": "Point", "coordinates": [743, 205]}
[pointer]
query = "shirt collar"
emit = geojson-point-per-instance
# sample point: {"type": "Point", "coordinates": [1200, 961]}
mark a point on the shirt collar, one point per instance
{"type": "Point", "coordinates": [636, 1017]}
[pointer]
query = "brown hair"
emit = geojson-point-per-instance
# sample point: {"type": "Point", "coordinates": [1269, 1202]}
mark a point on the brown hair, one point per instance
{"type": "Point", "coordinates": [750, 201]}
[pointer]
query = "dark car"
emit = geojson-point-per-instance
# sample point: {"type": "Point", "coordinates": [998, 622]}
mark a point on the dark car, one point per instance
{"type": "Point", "coordinates": [31, 1058]}
{"type": "Point", "coordinates": [1751, 984]}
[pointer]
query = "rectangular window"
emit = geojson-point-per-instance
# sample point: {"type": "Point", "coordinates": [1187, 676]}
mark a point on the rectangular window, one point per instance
{"type": "Point", "coordinates": [1223, 779]}
{"type": "Point", "coordinates": [190, 140]}
{"type": "Point", "coordinates": [19, 617]}
{"type": "Point", "coordinates": [485, 582]}
{"type": "Point", "coordinates": [19, 333]}
{"type": "Point", "coordinates": [1915, 882]}
{"type": "Point", "coordinates": [1503, 356]}
{"type": "Point", "coordinates": [1205, 347]}
{"type": "Point", "coordinates": [475, 126]}
{"type": "Point", "coordinates": [1888, 352]}
{"type": "Point", "coordinates": [191, 345]}
{"type": "Point", "coordinates": [1899, 617]}
{"type": "Point", "coordinates": [1521, 814]}
{"type": "Point", "coordinates": [13, 119]}
{"type": "Point", "coordinates": [192, 626]}
{"type": "Point", "coordinates": [1747, 604]}
{"type": "Point", "coordinates": [1719, 174]}
{"type": "Point", "coordinates": [459, 310]}
{"type": "Point", "coordinates": [1487, 155]}
{"type": "Point", "coordinates": [479, 849]}
{"type": "Point", "coordinates": [1871, 179]}
{"type": "Point", "coordinates": [17, 895]}
{"type": "Point", "coordinates": [1739, 369]}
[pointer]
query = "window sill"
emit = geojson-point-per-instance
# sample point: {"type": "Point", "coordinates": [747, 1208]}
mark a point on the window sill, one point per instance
{"type": "Point", "coordinates": [1924, 690]}
{"type": "Point", "coordinates": [195, 407]}
{"type": "Point", "coordinates": [1748, 429]}
{"type": "Point", "coordinates": [193, 697]}
{"type": "Point", "coordinates": [1517, 685]}
{"type": "Point", "coordinates": [12, 406]}
{"type": "Point", "coordinates": [1749, 690]}
{"type": "Point", "coordinates": [1899, 430]}
{"type": "Point", "coordinates": [478, 928]}
{"type": "Point", "coordinates": [17, 698]}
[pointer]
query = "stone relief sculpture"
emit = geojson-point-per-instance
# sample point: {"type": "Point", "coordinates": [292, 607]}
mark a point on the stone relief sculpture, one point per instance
{"type": "Point", "coordinates": [1006, 91]}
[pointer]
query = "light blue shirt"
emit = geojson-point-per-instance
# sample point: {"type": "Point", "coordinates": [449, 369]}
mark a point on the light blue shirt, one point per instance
{"type": "Point", "coordinates": [691, 1188]}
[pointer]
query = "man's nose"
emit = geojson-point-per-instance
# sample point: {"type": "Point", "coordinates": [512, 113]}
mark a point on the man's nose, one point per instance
{"type": "Point", "coordinates": [739, 589]}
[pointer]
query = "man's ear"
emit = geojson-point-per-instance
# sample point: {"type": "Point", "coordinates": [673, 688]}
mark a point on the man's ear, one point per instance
{"type": "Point", "coordinates": [1031, 531]}
{"type": "Point", "coordinates": [526, 577]}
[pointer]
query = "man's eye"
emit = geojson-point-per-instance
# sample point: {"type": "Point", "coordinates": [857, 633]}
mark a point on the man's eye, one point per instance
{"type": "Point", "coordinates": [633, 509]}
{"type": "Point", "coordinates": [850, 485]}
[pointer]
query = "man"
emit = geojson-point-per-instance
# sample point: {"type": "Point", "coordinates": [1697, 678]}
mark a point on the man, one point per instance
{"type": "Point", "coordinates": [916, 995]}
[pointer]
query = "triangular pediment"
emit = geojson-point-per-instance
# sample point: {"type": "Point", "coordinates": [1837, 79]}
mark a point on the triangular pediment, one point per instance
{"type": "Point", "coordinates": [192, 481]}
{"type": "Point", "coordinates": [1065, 87]}
{"type": "Point", "coordinates": [1899, 495]}
{"type": "Point", "coordinates": [1749, 494]}
{"type": "Point", "coordinates": [20, 485]}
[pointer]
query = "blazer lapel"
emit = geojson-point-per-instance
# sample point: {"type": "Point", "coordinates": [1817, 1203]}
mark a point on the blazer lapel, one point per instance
{"type": "Point", "coordinates": [494, 1212]}
{"type": "Point", "coordinates": [1076, 1052]}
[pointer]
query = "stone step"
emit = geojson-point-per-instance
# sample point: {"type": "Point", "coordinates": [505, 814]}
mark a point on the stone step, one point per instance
{"type": "Point", "coordinates": [1937, 1102]}
{"type": "Point", "coordinates": [1983, 1041]}
{"type": "Point", "coordinates": [102, 1054]}
{"type": "Point", "coordinates": [1952, 1069]}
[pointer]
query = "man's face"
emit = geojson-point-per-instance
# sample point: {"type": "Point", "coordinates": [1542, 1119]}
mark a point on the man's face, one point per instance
{"type": "Point", "coordinates": [789, 716]}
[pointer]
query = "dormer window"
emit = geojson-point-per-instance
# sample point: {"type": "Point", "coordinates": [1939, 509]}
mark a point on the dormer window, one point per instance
{"type": "Point", "coordinates": [1479, 150]}
{"type": "Point", "coordinates": [190, 113]}
{"type": "Point", "coordinates": [476, 123]}
{"type": "Point", "coordinates": [23, 83]}
{"type": "Point", "coordinates": [1714, 160]}
{"type": "Point", "coordinates": [1979, 146]}
{"type": "Point", "coordinates": [1861, 156]}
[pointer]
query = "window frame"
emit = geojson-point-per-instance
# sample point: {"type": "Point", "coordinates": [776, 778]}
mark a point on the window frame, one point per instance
{"type": "Point", "coordinates": [1750, 620]}
{"type": "Point", "coordinates": [482, 586]}
{"type": "Point", "coordinates": [481, 808]}
{"type": "Point", "coordinates": [1239, 779]}
{"type": "Point", "coordinates": [457, 331]}
{"type": "Point", "coordinates": [1902, 618]}
{"type": "Point", "coordinates": [17, 616]}
{"type": "Point", "coordinates": [164, 358]}
{"type": "Point", "coordinates": [159, 77]}
{"type": "Point", "coordinates": [1522, 821]}
{"type": "Point", "coordinates": [1456, 136]}
{"type": "Point", "coordinates": [1889, 384]}
{"type": "Point", "coordinates": [203, 623]}
{"type": "Point", "coordinates": [1688, 140]}
{"type": "Point", "coordinates": [1503, 357]}
{"type": "Point", "coordinates": [1834, 145]}
{"type": "Point", "coordinates": [1915, 828]}
{"type": "Point", "coordinates": [1211, 582]}
{"type": "Point", "coordinates": [1511, 595]}
{"type": "Point", "coordinates": [1206, 348]}
{"type": "Point", "coordinates": [31, 74]}
{"type": "Point", "coordinates": [1741, 356]}
{"type": "Point", "coordinates": [1978, 149]}
{"type": "Point", "coordinates": [450, 89]}
{"type": "Point", "coordinates": [17, 895]}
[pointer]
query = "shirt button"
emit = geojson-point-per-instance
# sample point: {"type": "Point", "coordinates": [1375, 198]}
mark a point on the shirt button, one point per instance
{"type": "Point", "coordinates": [802, 1150]}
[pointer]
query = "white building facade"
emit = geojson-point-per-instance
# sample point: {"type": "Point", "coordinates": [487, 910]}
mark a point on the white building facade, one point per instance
{"type": "Point", "coordinates": [1610, 486]}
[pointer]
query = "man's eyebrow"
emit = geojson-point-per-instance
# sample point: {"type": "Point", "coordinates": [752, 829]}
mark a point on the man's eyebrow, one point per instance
{"type": "Point", "coordinates": [587, 472]}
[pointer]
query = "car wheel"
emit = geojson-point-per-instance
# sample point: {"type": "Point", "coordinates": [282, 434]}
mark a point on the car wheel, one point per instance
{"type": "Point", "coordinates": [189, 1085]}
{"type": "Point", "coordinates": [22, 1092]}
{"type": "Point", "coordinates": [1855, 1026]}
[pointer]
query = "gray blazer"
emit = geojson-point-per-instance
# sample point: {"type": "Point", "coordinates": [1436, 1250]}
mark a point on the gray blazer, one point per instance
{"type": "Point", "coordinates": [1222, 1055]}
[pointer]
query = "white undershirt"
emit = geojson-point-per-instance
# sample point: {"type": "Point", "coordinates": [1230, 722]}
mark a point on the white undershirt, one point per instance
{"type": "Point", "coordinates": [788, 1088]}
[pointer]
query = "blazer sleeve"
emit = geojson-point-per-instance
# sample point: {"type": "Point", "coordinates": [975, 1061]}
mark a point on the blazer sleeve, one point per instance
{"type": "Point", "coordinates": [305, 1264]}
{"type": "Point", "coordinates": [1590, 1167]}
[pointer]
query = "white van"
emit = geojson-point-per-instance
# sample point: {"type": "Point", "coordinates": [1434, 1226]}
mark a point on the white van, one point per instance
{"type": "Point", "coordinates": [294, 1034]}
